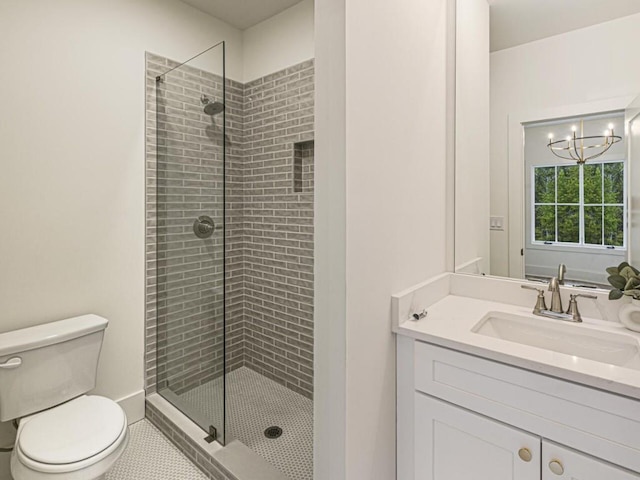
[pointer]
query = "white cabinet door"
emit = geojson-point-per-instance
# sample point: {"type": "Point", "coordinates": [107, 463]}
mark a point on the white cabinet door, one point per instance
{"type": "Point", "coordinates": [561, 463]}
{"type": "Point", "coordinates": [454, 444]}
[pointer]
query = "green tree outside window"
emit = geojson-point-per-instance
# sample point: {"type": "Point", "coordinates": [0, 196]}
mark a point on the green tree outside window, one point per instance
{"type": "Point", "coordinates": [561, 216]}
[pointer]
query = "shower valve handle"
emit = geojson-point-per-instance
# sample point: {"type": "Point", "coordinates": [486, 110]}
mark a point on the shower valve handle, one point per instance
{"type": "Point", "coordinates": [204, 226]}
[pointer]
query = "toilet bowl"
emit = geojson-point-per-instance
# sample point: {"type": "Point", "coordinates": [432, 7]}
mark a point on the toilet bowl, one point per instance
{"type": "Point", "coordinates": [46, 372]}
{"type": "Point", "coordinates": [78, 440]}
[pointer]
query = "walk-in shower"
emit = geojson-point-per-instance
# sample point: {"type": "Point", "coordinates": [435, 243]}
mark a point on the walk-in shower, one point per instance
{"type": "Point", "coordinates": [230, 253]}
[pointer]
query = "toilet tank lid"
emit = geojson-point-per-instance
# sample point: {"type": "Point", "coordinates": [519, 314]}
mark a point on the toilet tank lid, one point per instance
{"type": "Point", "coordinates": [50, 333]}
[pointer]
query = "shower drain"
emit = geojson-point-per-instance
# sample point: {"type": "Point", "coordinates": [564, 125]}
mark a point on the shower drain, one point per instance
{"type": "Point", "coordinates": [273, 432]}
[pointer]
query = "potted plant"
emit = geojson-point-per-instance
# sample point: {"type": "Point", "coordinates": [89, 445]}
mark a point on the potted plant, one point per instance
{"type": "Point", "coordinates": [625, 280]}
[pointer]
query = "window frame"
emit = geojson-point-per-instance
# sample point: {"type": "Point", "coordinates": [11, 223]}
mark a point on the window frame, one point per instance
{"type": "Point", "coordinates": [588, 247]}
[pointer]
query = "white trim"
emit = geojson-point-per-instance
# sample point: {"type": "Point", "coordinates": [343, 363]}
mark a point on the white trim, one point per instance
{"type": "Point", "coordinates": [405, 441]}
{"type": "Point", "coordinates": [632, 113]}
{"type": "Point", "coordinates": [330, 276]}
{"type": "Point", "coordinates": [450, 174]}
{"type": "Point", "coordinates": [574, 248]}
{"type": "Point", "coordinates": [133, 406]}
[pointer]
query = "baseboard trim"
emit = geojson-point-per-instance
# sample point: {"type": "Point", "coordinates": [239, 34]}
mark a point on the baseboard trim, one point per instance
{"type": "Point", "coordinates": [133, 406]}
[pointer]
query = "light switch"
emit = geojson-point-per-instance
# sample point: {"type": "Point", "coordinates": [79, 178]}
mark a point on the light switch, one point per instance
{"type": "Point", "coordinates": [496, 223]}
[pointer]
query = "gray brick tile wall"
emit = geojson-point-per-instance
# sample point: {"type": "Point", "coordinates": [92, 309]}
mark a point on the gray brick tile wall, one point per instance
{"type": "Point", "coordinates": [269, 228]}
{"type": "Point", "coordinates": [278, 222]}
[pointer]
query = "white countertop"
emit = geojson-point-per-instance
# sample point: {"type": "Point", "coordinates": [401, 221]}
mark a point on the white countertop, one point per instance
{"type": "Point", "coordinates": [450, 320]}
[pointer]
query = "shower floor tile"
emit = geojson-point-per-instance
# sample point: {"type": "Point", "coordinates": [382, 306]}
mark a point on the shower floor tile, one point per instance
{"type": "Point", "coordinates": [255, 403]}
{"type": "Point", "coordinates": [151, 456]}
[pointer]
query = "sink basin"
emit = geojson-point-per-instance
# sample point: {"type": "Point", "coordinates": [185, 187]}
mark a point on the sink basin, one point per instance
{"type": "Point", "coordinates": [562, 337]}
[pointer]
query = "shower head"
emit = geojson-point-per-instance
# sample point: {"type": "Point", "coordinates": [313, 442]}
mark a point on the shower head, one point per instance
{"type": "Point", "coordinates": [211, 108]}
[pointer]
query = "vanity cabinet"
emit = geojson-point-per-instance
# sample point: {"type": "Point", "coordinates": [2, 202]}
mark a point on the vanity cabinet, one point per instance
{"type": "Point", "coordinates": [559, 462]}
{"type": "Point", "coordinates": [452, 444]}
{"type": "Point", "coordinates": [462, 416]}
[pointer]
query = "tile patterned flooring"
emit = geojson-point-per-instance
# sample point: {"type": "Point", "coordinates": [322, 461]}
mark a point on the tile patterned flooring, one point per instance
{"type": "Point", "coordinates": [255, 403]}
{"type": "Point", "coordinates": [151, 456]}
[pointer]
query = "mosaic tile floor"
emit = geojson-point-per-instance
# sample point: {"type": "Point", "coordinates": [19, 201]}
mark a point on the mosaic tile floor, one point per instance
{"type": "Point", "coordinates": [151, 456]}
{"type": "Point", "coordinates": [255, 403]}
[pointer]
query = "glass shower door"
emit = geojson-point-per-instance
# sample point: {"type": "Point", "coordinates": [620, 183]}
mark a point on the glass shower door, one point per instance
{"type": "Point", "coordinates": [190, 245]}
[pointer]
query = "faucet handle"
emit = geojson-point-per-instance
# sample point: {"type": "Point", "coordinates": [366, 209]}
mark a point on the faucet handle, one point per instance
{"type": "Point", "coordinates": [529, 287]}
{"type": "Point", "coordinates": [541, 303]}
{"type": "Point", "coordinates": [573, 305]}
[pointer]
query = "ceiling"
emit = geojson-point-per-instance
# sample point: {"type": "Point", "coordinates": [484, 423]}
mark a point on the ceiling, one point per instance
{"type": "Point", "coordinates": [242, 14]}
{"type": "Point", "coordinates": [515, 22]}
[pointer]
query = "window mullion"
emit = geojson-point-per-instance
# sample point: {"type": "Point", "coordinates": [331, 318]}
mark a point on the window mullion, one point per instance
{"type": "Point", "coordinates": [556, 202]}
{"type": "Point", "coordinates": [602, 197]}
{"type": "Point", "coordinates": [581, 207]}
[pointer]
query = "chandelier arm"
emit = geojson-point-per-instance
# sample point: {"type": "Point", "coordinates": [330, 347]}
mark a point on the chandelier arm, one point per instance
{"type": "Point", "coordinates": [577, 156]}
{"type": "Point", "coordinates": [597, 155]}
{"type": "Point", "coordinates": [560, 156]}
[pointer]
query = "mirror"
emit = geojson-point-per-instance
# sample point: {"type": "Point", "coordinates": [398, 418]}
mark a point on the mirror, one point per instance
{"type": "Point", "coordinates": [527, 199]}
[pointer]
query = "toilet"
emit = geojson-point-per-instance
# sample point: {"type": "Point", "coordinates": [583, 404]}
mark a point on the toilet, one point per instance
{"type": "Point", "coordinates": [45, 374]}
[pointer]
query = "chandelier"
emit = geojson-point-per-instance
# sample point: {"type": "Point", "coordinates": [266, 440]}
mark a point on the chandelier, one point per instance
{"type": "Point", "coordinates": [583, 148]}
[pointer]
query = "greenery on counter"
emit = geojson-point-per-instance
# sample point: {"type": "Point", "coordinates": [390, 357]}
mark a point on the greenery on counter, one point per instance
{"type": "Point", "coordinates": [625, 280]}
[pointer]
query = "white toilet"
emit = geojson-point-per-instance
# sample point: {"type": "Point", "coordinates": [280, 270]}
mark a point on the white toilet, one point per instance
{"type": "Point", "coordinates": [45, 372]}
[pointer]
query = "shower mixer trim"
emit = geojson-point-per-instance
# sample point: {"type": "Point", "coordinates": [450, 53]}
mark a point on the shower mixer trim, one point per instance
{"type": "Point", "coordinates": [203, 226]}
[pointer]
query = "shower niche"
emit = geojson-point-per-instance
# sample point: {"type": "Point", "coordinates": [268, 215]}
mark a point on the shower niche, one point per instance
{"type": "Point", "coordinates": [303, 166]}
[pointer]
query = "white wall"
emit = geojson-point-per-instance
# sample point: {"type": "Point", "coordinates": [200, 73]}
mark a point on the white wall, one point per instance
{"type": "Point", "coordinates": [389, 180]}
{"type": "Point", "coordinates": [554, 72]}
{"type": "Point", "coordinates": [72, 161]}
{"type": "Point", "coordinates": [472, 136]}
{"type": "Point", "coordinates": [395, 200]}
{"type": "Point", "coordinates": [279, 42]}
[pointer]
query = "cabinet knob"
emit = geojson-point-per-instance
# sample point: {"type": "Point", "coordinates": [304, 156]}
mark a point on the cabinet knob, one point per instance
{"type": "Point", "coordinates": [525, 454]}
{"type": "Point", "coordinates": [556, 467]}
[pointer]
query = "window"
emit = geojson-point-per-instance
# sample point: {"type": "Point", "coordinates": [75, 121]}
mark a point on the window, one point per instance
{"type": "Point", "coordinates": [579, 204]}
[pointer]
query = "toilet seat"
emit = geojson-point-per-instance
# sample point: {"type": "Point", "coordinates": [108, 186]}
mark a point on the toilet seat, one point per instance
{"type": "Point", "coordinates": [71, 436]}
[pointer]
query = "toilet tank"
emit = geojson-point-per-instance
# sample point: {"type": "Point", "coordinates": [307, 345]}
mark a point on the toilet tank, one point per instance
{"type": "Point", "coordinates": [48, 364]}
